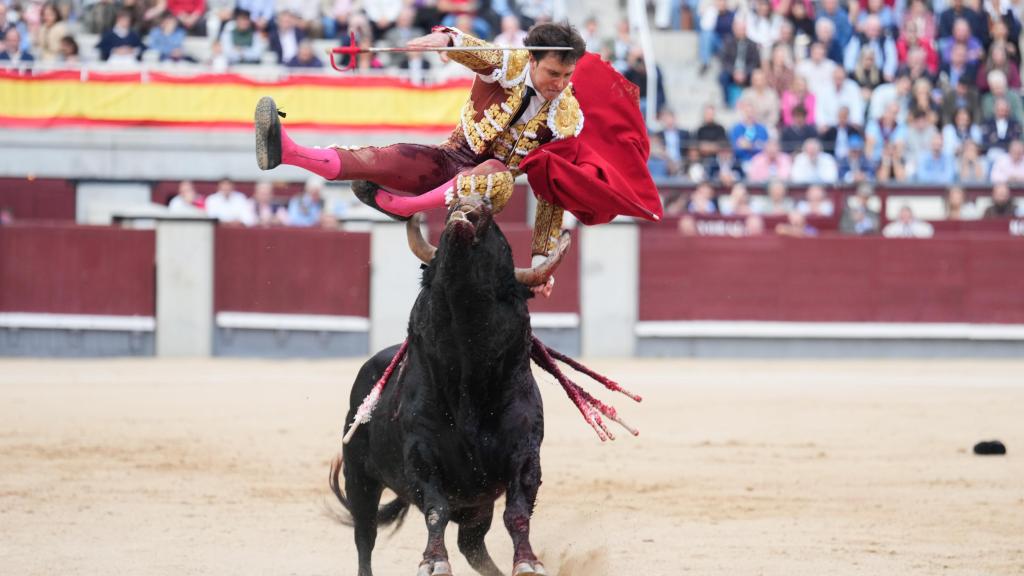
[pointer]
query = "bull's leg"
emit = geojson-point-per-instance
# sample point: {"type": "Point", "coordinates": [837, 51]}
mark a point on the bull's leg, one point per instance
{"type": "Point", "coordinates": [519, 503]}
{"type": "Point", "coordinates": [473, 526]}
{"type": "Point", "coordinates": [436, 514]}
{"type": "Point", "coordinates": [364, 497]}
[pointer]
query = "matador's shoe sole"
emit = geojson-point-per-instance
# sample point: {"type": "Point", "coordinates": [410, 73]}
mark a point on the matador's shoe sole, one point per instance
{"type": "Point", "coordinates": [366, 191]}
{"type": "Point", "coordinates": [268, 134]}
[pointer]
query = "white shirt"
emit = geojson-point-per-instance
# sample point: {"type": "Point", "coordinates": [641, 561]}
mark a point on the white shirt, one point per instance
{"type": "Point", "coordinates": [233, 207]}
{"type": "Point", "coordinates": [913, 229]}
{"type": "Point", "coordinates": [535, 104]}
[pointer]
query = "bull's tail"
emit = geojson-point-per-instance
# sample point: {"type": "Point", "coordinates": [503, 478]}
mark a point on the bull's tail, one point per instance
{"type": "Point", "coordinates": [391, 513]}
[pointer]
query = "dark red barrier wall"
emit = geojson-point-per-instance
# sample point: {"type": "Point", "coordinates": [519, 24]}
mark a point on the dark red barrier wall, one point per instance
{"type": "Point", "coordinates": [968, 279]}
{"type": "Point", "coordinates": [292, 271]}
{"type": "Point", "coordinates": [67, 269]}
{"type": "Point", "coordinates": [38, 199]}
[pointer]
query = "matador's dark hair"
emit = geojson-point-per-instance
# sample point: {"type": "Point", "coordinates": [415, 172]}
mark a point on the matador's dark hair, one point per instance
{"type": "Point", "coordinates": [556, 35]}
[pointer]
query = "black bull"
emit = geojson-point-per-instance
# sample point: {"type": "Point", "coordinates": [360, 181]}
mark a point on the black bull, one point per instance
{"type": "Point", "coordinates": [461, 421]}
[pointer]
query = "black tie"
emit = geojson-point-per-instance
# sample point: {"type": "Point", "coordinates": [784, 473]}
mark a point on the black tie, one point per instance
{"type": "Point", "coordinates": [522, 106]}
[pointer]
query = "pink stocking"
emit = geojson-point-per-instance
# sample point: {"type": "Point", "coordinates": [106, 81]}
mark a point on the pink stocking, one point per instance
{"type": "Point", "coordinates": [409, 205]}
{"type": "Point", "coordinates": [321, 161]}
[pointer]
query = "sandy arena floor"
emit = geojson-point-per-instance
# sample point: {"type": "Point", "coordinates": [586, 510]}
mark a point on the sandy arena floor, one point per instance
{"type": "Point", "coordinates": [823, 468]}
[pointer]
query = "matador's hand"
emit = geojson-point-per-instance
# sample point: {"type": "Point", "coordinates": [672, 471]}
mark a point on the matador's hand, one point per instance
{"type": "Point", "coordinates": [432, 40]}
{"type": "Point", "coordinates": [545, 289]}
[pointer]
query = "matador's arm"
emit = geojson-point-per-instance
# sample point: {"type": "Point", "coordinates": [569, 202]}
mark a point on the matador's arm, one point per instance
{"type": "Point", "coordinates": [507, 66]}
{"type": "Point", "coordinates": [547, 226]}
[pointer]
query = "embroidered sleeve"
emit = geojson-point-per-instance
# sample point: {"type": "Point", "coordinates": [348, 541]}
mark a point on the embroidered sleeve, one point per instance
{"type": "Point", "coordinates": [565, 118]}
{"type": "Point", "coordinates": [547, 225]}
{"type": "Point", "coordinates": [485, 62]}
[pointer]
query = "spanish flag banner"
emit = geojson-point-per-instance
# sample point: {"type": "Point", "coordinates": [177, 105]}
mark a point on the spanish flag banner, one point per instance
{"type": "Point", "coordinates": [71, 98]}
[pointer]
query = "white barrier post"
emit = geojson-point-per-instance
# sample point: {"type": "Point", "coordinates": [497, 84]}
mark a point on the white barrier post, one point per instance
{"type": "Point", "coordinates": [184, 287]}
{"type": "Point", "coordinates": [394, 284]}
{"type": "Point", "coordinates": [609, 271]}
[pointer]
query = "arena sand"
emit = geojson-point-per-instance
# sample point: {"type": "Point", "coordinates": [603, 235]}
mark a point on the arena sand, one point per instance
{"type": "Point", "coordinates": [742, 467]}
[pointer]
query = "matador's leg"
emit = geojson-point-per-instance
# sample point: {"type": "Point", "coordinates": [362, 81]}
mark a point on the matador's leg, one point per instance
{"type": "Point", "coordinates": [491, 179]}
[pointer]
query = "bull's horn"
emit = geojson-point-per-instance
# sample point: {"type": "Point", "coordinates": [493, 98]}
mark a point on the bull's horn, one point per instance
{"type": "Point", "coordinates": [540, 273]}
{"type": "Point", "coordinates": [417, 243]}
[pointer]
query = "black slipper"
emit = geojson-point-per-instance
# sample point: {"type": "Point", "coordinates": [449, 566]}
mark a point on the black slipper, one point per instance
{"type": "Point", "coordinates": [366, 191]}
{"type": "Point", "coordinates": [268, 134]}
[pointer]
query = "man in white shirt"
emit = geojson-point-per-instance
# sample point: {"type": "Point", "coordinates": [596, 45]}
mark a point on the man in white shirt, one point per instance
{"type": "Point", "coordinates": [906, 226]}
{"type": "Point", "coordinates": [841, 91]}
{"type": "Point", "coordinates": [229, 205]}
{"type": "Point", "coordinates": [812, 166]}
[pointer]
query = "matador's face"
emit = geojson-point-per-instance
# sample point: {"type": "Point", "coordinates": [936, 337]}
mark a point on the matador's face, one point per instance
{"type": "Point", "coordinates": [550, 75]}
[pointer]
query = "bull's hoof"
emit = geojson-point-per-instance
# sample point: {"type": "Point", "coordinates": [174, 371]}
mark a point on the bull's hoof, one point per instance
{"type": "Point", "coordinates": [528, 569]}
{"type": "Point", "coordinates": [439, 568]}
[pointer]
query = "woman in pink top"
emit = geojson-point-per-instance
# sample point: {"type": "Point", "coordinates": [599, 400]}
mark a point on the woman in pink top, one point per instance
{"type": "Point", "coordinates": [798, 94]}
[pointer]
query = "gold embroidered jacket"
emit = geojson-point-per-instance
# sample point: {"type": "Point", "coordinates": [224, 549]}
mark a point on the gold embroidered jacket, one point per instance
{"type": "Point", "coordinates": [484, 126]}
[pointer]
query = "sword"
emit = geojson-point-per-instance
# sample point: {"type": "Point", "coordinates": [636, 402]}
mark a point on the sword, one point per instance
{"type": "Point", "coordinates": [352, 49]}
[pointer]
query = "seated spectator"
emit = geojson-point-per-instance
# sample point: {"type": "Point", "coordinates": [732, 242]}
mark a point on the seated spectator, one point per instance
{"type": "Point", "coordinates": [218, 13]}
{"type": "Point", "coordinates": [12, 53]}
{"type": "Point", "coordinates": [451, 10]}
{"type": "Point", "coordinates": [405, 29]}
{"type": "Point", "coordinates": [882, 132]}
{"type": "Point", "coordinates": [911, 40]}
{"type": "Point", "coordinates": [121, 44]}
{"type": "Point", "coordinates": [168, 40]}
{"type": "Point", "coordinates": [512, 33]}
{"type": "Point", "coordinates": [919, 14]}
{"type": "Point", "coordinates": [825, 32]}
{"type": "Point", "coordinates": [286, 37]}
{"type": "Point", "coordinates": [47, 37]}
{"type": "Point", "coordinates": [916, 66]}
{"type": "Point", "coordinates": [762, 99]}
{"type": "Point", "coordinates": [962, 129]}
{"type": "Point", "coordinates": [337, 14]}
{"type": "Point", "coordinates": [1010, 167]}
{"type": "Point", "coordinates": [68, 51]}
{"type": "Point", "coordinates": [957, 10]}
{"type": "Point", "coordinates": [795, 226]}
{"type": "Point", "coordinates": [918, 136]}
{"type": "Point", "coordinates": [816, 71]}
{"type": "Point", "coordinates": [802, 23]}
{"type": "Point", "coordinates": [763, 26]}
{"type": "Point", "coordinates": [858, 218]}
{"type": "Point", "coordinates": [814, 166]}
{"type": "Point", "coordinates": [815, 203]}
{"type": "Point", "coordinates": [999, 34]}
{"type": "Point", "coordinates": [241, 42]}
{"type": "Point", "coordinates": [907, 226]}
{"type": "Point", "coordinates": [779, 72]}
{"type": "Point", "coordinates": [997, 60]}
{"type": "Point", "coordinates": [748, 137]}
{"type": "Point", "coordinates": [999, 90]}
{"type": "Point", "coordinates": [740, 57]}
{"type": "Point", "coordinates": [962, 36]}
{"type": "Point", "coordinates": [688, 226]}
{"type": "Point", "coordinates": [711, 136]}
{"type": "Point", "coordinates": [1002, 203]}
{"type": "Point", "coordinates": [836, 140]}
{"type": "Point", "coordinates": [972, 166]}
{"type": "Point", "coordinates": [676, 140]}
{"type": "Point", "coordinates": [921, 102]}
{"type": "Point", "coordinates": [769, 164]}
{"type": "Point", "coordinates": [866, 72]}
{"type": "Point", "coordinates": [658, 162]}
{"type": "Point", "coordinates": [962, 95]}
{"type": "Point", "coordinates": [958, 67]}
{"type": "Point", "coordinates": [882, 47]}
{"type": "Point", "coordinates": [304, 210]}
{"type": "Point", "coordinates": [957, 206]}
{"type": "Point", "coordinates": [891, 166]}
{"type": "Point", "coordinates": [702, 201]}
{"type": "Point", "coordinates": [737, 203]}
{"type": "Point", "coordinates": [383, 14]}
{"type": "Point", "coordinates": [714, 26]}
{"type": "Point", "coordinates": [307, 14]}
{"type": "Point", "coordinates": [776, 203]}
{"type": "Point", "coordinates": [841, 92]}
{"type": "Point", "coordinates": [187, 201]}
{"type": "Point", "coordinates": [753, 225]}
{"type": "Point", "coordinates": [998, 131]}
{"type": "Point", "coordinates": [798, 95]}
{"type": "Point", "coordinates": [885, 14]}
{"type": "Point", "coordinates": [228, 205]}
{"type": "Point", "coordinates": [305, 57]}
{"type": "Point", "coordinates": [264, 211]}
{"type": "Point", "coordinates": [190, 14]}
{"type": "Point", "coordinates": [636, 72]}
{"type": "Point", "coordinates": [798, 131]}
{"type": "Point", "coordinates": [935, 166]}
{"type": "Point", "coordinates": [884, 96]}
{"type": "Point", "coordinates": [855, 167]}
{"type": "Point", "coordinates": [260, 12]}
{"type": "Point", "coordinates": [834, 12]}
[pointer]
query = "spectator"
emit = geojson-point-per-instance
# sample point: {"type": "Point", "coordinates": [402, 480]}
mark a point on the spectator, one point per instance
{"type": "Point", "coordinates": [935, 166]}
{"type": "Point", "coordinates": [241, 42]}
{"type": "Point", "coordinates": [307, 13]}
{"type": "Point", "coordinates": [998, 90]}
{"type": "Point", "coordinates": [753, 225]}
{"type": "Point", "coordinates": [795, 226]}
{"type": "Point", "coordinates": [452, 10]}
{"type": "Point", "coordinates": [803, 24]}
{"type": "Point", "coordinates": [47, 37]}
{"type": "Point", "coordinates": [259, 12]}
{"type": "Point", "coordinates": [512, 33]}
{"type": "Point", "coordinates": [622, 44]}
{"type": "Point", "coordinates": [891, 167]}
{"type": "Point", "coordinates": [816, 71]}
{"type": "Point", "coordinates": [305, 57]}
{"type": "Point", "coordinates": [190, 14]}
{"type": "Point", "coordinates": [286, 37]}
{"type": "Point", "coordinates": [962, 129]}
{"type": "Point", "coordinates": [841, 92]}
{"type": "Point", "coordinates": [815, 203]}
{"type": "Point", "coordinates": [1004, 33]}
{"type": "Point", "coordinates": [591, 34]}
{"type": "Point", "coordinates": [382, 15]}
{"type": "Point", "coordinates": [168, 40]}
{"type": "Point", "coordinates": [997, 61]}
{"type": "Point", "coordinates": [962, 37]}
{"type": "Point", "coordinates": [794, 135]}
{"type": "Point", "coordinates": [832, 11]}
{"type": "Point", "coordinates": [336, 21]}
{"type": "Point", "coordinates": [68, 51]}
{"type": "Point", "coordinates": [920, 16]}
{"type": "Point", "coordinates": [957, 206]}
{"type": "Point", "coordinates": [6, 216]}
{"type": "Point", "coordinates": [405, 29]}
{"type": "Point", "coordinates": [858, 219]}
{"type": "Point", "coordinates": [998, 131]}
{"type": "Point", "coordinates": [121, 44]}
{"type": "Point", "coordinates": [882, 132]}
{"type": "Point", "coordinates": [918, 136]}
{"type": "Point", "coordinates": [12, 51]}
{"type": "Point", "coordinates": [187, 201]}
{"type": "Point", "coordinates": [814, 166]}
{"type": "Point", "coordinates": [921, 102]}
{"type": "Point", "coordinates": [799, 95]}
{"type": "Point", "coordinates": [740, 57]}
{"type": "Point", "coordinates": [825, 32]}
{"type": "Point", "coordinates": [884, 48]}
{"type": "Point", "coordinates": [737, 203]}
{"type": "Point", "coordinates": [218, 13]}
{"type": "Point", "coordinates": [957, 11]}
{"type": "Point", "coordinates": [910, 41]}
{"type": "Point", "coordinates": [771, 163]}
{"type": "Point", "coordinates": [714, 27]}
{"type": "Point", "coordinates": [885, 14]}
{"type": "Point", "coordinates": [1002, 203]}
{"type": "Point", "coordinates": [702, 201]}
{"type": "Point", "coordinates": [688, 226]}
{"type": "Point", "coordinates": [304, 210]}
{"type": "Point", "coordinates": [958, 67]}
{"type": "Point", "coordinates": [897, 92]}
{"type": "Point", "coordinates": [907, 226]}
{"type": "Point", "coordinates": [764, 26]}
{"type": "Point", "coordinates": [916, 67]}
{"type": "Point", "coordinates": [962, 95]}
{"type": "Point", "coordinates": [779, 72]}
{"type": "Point", "coordinates": [856, 168]}
{"type": "Point", "coordinates": [711, 135]}
{"type": "Point", "coordinates": [776, 203]}
{"type": "Point", "coordinates": [747, 137]}
{"type": "Point", "coordinates": [1010, 167]}
{"type": "Point", "coordinates": [866, 72]}
{"type": "Point", "coordinates": [972, 166]}
{"type": "Point", "coordinates": [676, 139]}
{"type": "Point", "coordinates": [263, 210]}
{"type": "Point", "coordinates": [8, 22]}
{"type": "Point", "coordinates": [228, 205]}
{"type": "Point", "coordinates": [637, 74]}
{"type": "Point", "coordinates": [762, 99]}
{"type": "Point", "coordinates": [836, 139]}
{"type": "Point", "coordinates": [658, 162]}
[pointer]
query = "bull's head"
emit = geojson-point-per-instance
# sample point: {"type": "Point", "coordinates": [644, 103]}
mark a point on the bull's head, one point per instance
{"type": "Point", "coordinates": [468, 225]}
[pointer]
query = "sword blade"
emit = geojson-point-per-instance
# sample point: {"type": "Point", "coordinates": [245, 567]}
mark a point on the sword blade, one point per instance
{"type": "Point", "coordinates": [467, 49]}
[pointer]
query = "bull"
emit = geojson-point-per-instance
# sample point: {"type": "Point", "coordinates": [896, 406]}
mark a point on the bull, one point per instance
{"type": "Point", "coordinates": [461, 420]}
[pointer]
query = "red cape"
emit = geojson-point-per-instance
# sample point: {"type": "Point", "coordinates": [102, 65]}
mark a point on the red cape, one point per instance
{"type": "Point", "coordinates": [602, 173]}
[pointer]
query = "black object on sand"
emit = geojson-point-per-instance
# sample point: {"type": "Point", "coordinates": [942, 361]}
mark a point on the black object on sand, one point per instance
{"type": "Point", "coordinates": [990, 448]}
